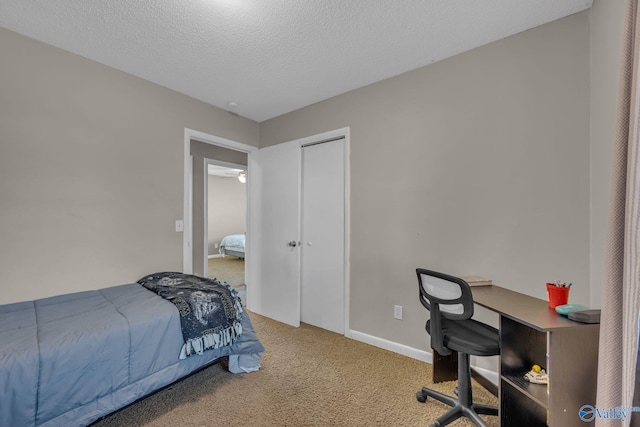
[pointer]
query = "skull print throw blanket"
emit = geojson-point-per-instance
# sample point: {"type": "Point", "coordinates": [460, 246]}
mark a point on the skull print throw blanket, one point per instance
{"type": "Point", "coordinates": [210, 311]}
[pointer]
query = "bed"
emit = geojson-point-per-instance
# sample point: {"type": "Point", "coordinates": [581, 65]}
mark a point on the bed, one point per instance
{"type": "Point", "coordinates": [71, 359]}
{"type": "Point", "coordinates": [233, 245]}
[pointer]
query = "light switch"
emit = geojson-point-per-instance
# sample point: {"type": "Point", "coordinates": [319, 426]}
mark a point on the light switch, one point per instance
{"type": "Point", "coordinates": [179, 225]}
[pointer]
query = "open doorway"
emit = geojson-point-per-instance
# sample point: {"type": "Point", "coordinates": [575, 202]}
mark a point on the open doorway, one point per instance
{"type": "Point", "coordinates": [225, 224]}
{"type": "Point", "coordinates": [199, 147]}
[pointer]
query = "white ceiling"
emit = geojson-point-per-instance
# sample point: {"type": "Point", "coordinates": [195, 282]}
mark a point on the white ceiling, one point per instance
{"type": "Point", "coordinates": [273, 56]}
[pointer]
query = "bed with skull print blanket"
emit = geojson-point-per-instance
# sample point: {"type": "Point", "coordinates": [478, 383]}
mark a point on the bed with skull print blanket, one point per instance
{"type": "Point", "coordinates": [210, 311]}
{"type": "Point", "coordinates": [67, 360]}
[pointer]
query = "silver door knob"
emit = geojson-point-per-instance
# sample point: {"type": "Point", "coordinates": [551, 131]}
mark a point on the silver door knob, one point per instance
{"type": "Point", "coordinates": [309, 243]}
{"type": "Point", "coordinates": [293, 243]}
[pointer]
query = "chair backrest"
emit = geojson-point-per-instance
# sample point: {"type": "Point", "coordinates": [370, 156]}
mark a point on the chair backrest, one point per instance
{"type": "Point", "coordinates": [451, 294]}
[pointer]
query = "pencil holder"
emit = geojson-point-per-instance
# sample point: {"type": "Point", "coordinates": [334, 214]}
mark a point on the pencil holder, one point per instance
{"type": "Point", "coordinates": [557, 295]}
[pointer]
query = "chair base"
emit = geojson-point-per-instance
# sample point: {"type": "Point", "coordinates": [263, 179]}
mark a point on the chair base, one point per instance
{"type": "Point", "coordinates": [463, 406]}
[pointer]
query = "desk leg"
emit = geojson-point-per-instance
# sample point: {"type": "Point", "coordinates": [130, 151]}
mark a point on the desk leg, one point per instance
{"type": "Point", "coordinates": [445, 368]}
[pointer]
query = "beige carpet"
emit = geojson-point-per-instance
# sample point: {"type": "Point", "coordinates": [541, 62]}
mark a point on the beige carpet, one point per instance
{"type": "Point", "coordinates": [309, 377]}
{"type": "Point", "coordinates": [230, 269]}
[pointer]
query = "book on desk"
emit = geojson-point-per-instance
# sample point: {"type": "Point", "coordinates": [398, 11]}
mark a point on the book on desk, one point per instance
{"type": "Point", "coordinates": [477, 281]}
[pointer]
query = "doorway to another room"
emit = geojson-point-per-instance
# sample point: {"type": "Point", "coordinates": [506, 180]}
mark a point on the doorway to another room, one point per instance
{"type": "Point", "coordinates": [225, 218]}
{"type": "Point", "coordinates": [200, 150]}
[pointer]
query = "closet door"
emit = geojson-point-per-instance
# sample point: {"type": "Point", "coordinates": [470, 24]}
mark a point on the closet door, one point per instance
{"type": "Point", "coordinates": [273, 282]}
{"type": "Point", "coordinates": [323, 235]}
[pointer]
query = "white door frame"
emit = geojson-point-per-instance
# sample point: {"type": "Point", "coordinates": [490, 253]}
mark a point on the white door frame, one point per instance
{"type": "Point", "coordinates": [194, 135]}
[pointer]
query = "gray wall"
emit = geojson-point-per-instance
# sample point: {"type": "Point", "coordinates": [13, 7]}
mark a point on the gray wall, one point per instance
{"type": "Point", "coordinates": [91, 171]}
{"type": "Point", "coordinates": [606, 46]}
{"type": "Point", "coordinates": [227, 209]}
{"type": "Point", "coordinates": [478, 164]}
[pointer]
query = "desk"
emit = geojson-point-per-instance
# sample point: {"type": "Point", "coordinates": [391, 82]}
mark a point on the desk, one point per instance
{"type": "Point", "coordinates": [531, 332]}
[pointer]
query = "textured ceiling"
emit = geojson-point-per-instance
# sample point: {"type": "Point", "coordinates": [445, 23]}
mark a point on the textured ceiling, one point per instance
{"type": "Point", "coordinates": [273, 56]}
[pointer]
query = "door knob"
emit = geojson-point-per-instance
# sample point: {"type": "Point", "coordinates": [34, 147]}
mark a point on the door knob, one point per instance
{"type": "Point", "coordinates": [293, 243]}
{"type": "Point", "coordinates": [309, 243]}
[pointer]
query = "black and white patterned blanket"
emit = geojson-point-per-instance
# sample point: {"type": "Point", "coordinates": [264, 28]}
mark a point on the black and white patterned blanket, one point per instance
{"type": "Point", "coordinates": [210, 311]}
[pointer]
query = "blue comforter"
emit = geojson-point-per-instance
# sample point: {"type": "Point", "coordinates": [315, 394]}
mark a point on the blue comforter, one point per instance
{"type": "Point", "coordinates": [70, 359]}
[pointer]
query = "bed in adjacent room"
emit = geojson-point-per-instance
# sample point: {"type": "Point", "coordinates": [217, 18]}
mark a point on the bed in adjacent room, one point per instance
{"type": "Point", "coordinates": [71, 359]}
{"type": "Point", "coordinates": [233, 245]}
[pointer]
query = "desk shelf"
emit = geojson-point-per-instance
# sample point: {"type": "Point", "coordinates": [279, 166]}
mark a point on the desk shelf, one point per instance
{"type": "Point", "coordinates": [517, 409]}
{"type": "Point", "coordinates": [537, 392]}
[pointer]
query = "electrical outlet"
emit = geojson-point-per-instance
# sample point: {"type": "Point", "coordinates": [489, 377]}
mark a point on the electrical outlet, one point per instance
{"type": "Point", "coordinates": [216, 244]}
{"type": "Point", "coordinates": [397, 312]}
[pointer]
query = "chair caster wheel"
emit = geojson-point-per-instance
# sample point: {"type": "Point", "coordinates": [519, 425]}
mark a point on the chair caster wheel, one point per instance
{"type": "Point", "coordinates": [421, 397]}
{"type": "Point", "coordinates": [455, 391]}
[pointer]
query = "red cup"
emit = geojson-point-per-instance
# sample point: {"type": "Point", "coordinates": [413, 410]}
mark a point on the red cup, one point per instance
{"type": "Point", "coordinates": [557, 295]}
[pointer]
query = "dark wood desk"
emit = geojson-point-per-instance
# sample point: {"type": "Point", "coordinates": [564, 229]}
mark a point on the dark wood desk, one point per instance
{"type": "Point", "coordinates": [532, 333]}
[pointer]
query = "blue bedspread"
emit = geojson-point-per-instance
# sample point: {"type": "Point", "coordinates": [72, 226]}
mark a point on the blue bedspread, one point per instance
{"type": "Point", "coordinates": [70, 359]}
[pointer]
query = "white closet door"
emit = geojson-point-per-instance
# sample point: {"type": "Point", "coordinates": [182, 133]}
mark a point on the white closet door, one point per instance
{"type": "Point", "coordinates": [323, 235]}
{"type": "Point", "coordinates": [273, 288]}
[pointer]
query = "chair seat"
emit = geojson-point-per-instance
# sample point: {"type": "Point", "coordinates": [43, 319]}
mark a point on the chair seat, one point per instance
{"type": "Point", "coordinates": [470, 336]}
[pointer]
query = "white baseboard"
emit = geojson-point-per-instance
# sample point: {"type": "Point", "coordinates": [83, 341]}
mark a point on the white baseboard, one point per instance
{"type": "Point", "coordinates": [405, 350]}
{"type": "Point", "coordinates": [490, 375]}
{"type": "Point", "coordinates": [214, 256]}
{"type": "Point", "coordinates": [414, 353]}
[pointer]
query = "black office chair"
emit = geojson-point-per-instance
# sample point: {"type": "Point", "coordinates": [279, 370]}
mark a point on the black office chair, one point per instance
{"type": "Point", "coordinates": [451, 328]}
